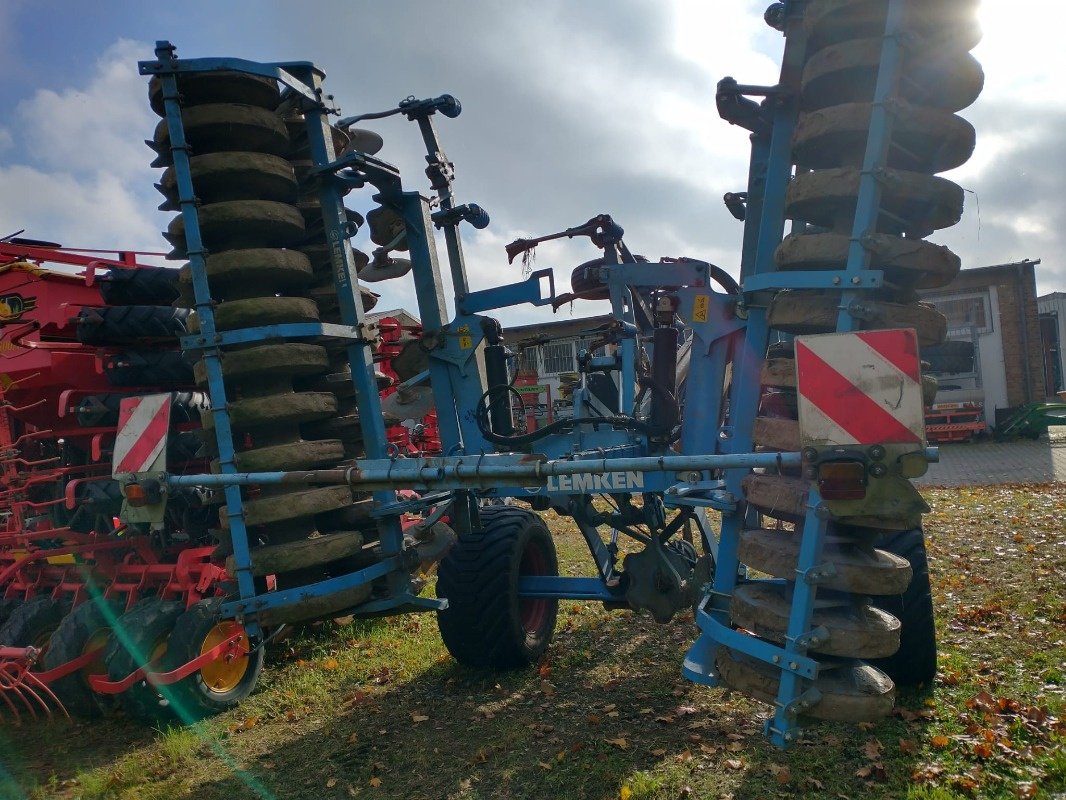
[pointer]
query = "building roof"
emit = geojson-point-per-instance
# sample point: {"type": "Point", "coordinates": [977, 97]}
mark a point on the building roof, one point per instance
{"type": "Point", "coordinates": [560, 329]}
{"type": "Point", "coordinates": [404, 316]}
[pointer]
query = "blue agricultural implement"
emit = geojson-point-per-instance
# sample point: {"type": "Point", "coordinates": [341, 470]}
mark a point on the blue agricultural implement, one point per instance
{"type": "Point", "coordinates": [788, 401]}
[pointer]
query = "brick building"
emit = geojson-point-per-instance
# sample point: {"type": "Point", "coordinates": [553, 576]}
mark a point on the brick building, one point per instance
{"type": "Point", "coordinates": [994, 309]}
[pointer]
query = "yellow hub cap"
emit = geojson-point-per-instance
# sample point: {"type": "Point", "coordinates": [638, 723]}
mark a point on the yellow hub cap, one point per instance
{"type": "Point", "coordinates": [224, 675]}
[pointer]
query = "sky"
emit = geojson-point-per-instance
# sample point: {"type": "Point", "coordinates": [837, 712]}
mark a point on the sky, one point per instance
{"type": "Point", "coordinates": [569, 109]}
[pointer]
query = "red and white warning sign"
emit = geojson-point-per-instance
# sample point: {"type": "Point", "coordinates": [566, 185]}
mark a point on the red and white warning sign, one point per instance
{"type": "Point", "coordinates": [143, 423]}
{"type": "Point", "coordinates": [860, 388]}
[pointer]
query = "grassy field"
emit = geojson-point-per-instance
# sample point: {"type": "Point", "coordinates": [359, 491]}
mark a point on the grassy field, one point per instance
{"type": "Point", "coordinates": [380, 710]}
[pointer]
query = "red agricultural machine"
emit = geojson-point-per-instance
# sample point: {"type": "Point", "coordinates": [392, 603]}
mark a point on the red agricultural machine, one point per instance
{"type": "Point", "coordinates": [80, 332]}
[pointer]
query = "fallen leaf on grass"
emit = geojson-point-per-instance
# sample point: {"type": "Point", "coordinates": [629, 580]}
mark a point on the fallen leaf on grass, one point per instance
{"type": "Point", "coordinates": [782, 774]}
{"type": "Point", "coordinates": [375, 781]}
{"type": "Point", "coordinates": [620, 743]}
{"type": "Point", "coordinates": [658, 752]}
{"type": "Point", "coordinates": [330, 663]}
{"type": "Point", "coordinates": [418, 718]}
{"type": "Point", "coordinates": [940, 742]}
{"type": "Point", "coordinates": [908, 746]}
{"type": "Point", "coordinates": [734, 763]}
{"type": "Point", "coordinates": [544, 765]}
{"type": "Point", "coordinates": [872, 749]}
{"type": "Point", "coordinates": [247, 725]}
{"type": "Point", "coordinates": [872, 772]}
{"type": "Point", "coordinates": [331, 783]}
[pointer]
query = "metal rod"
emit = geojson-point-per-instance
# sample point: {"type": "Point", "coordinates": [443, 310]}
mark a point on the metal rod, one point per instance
{"type": "Point", "coordinates": [408, 471]}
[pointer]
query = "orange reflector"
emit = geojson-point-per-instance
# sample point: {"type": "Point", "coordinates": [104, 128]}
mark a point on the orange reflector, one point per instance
{"type": "Point", "coordinates": [842, 480]}
{"type": "Point", "coordinates": [136, 495]}
{"type": "Point", "coordinates": [143, 493]}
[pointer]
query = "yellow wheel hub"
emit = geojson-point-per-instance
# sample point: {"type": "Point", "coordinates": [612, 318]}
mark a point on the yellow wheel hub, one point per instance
{"type": "Point", "coordinates": [98, 640]}
{"type": "Point", "coordinates": [224, 675]}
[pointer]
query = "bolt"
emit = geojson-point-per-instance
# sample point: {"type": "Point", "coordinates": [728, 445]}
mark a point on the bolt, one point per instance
{"type": "Point", "coordinates": [836, 280]}
{"type": "Point", "coordinates": [856, 280]}
{"type": "Point", "coordinates": [777, 659]}
{"type": "Point", "coordinates": [792, 665]}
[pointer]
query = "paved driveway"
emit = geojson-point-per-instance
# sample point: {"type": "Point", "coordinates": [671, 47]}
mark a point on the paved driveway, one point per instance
{"type": "Point", "coordinates": [985, 463]}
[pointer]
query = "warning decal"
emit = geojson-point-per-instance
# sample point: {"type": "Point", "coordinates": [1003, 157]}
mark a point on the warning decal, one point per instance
{"type": "Point", "coordinates": [860, 388]}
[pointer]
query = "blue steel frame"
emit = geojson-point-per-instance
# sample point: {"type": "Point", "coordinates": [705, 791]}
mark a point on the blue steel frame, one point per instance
{"type": "Point", "coordinates": [770, 170]}
{"type": "Point", "coordinates": [724, 329]}
{"type": "Point", "coordinates": [305, 81]}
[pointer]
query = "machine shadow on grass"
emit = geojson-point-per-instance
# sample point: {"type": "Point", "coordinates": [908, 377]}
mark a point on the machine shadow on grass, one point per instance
{"type": "Point", "coordinates": [612, 713]}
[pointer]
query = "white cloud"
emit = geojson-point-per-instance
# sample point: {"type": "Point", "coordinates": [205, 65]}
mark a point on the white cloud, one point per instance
{"type": "Point", "coordinates": [84, 178]}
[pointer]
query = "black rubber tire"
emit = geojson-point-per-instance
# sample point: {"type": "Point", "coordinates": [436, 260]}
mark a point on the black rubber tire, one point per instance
{"type": "Point", "coordinates": [192, 699]}
{"type": "Point", "coordinates": [7, 607]}
{"type": "Point", "coordinates": [484, 623]}
{"type": "Point", "coordinates": [147, 368]}
{"type": "Point", "coordinates": [914, 664]}
{"type": "Point", "coordinates": [90, 621]}
{"type": "Point", "coordinates": [120, 324]}
{"type": "Point", "coordinates": [137, 635]}
{"type": "Point", "coordinates": [152, 286]}
{"type": "Point", "coordinates": [101, 410]}
{"type": "Point", "coordinates": [33, 622]}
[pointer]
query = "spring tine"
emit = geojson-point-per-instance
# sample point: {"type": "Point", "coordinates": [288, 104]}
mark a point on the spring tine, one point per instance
{"type": "Point", "coordinates": [10, 704]}
{"type": "Point", "coordinates": [39, 685]}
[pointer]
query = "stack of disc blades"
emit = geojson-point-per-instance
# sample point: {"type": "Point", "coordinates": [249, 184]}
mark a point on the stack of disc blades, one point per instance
{"type": "Point", "coordinates": [937, 77]}
{"type": "Point", "coordinates": [252, 224]}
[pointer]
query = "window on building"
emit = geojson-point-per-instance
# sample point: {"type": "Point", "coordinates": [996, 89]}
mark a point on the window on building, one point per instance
{"type": "Point", "coordinates": [559, 357]}
{"type": "Point", "coordinates": [527, 361]}
{"type": "Point", "coordinates": [965, 312]}
{"type": "Point", "coordinates": [584, 344]}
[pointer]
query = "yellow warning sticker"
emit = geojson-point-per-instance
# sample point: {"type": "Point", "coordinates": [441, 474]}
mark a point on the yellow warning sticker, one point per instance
{"type": "Point", "coordinates": [700, 307]}
{"type": "Point", "coordinates": [466, 342]}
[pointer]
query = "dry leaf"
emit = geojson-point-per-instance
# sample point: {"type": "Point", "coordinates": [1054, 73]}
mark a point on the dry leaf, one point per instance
{"type": "Point", "coordinates": [734, 763]}
{"type": "Point", "coordinates": [331, 783]}
{"type": "Point", "coordinates": [544, 765]}
{"type": "Point", "coordinates": [248, 724]}
{"type": "Point", "coordinates": [375, 781]}
{"type": "Point", "coordinates": [330, 663]}
{"type": "Point", "coordinates": [908, 746]}
{"type": "Point", "coordinates": [782, 774]}
{"type": "Point", "coordinates": [872, 749]}
{"type": "Point", "coordinates": [940, 741]}
{"type": "Point", "coordinates": [418, 718]}
{"type": "Point", "coordinates": [658, 752]}
{"type": "Point", "coordinates": [620, 743]}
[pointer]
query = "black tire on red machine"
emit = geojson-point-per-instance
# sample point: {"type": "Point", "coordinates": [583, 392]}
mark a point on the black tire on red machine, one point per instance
{"type": "Point", "coordinates": [486, 623]}
{"type": "Point", "coordinates": [32, 623]}
{"type": "Point", "coordinates": [152, 286]}
{"type": "Point", "coordinates": [86, 628]}
{"type": "Point", "coordinates": [219, 685]}
{"type": "Point", "coordinates": [914, 664]}
{"type": "Point", "coordinates": [140, 638]}
{"type": "Point", "coordinates": [119, 324]}
{"type": "Point", "coordinates": [7, 606]}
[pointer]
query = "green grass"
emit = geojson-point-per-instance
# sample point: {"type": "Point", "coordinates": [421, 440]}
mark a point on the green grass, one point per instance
{"type": "Point", "coordinates": [379, 710]}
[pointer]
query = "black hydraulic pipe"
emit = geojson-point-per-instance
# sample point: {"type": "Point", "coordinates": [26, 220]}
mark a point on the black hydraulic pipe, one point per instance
{"type": "Point", "coordinates": [499, 389]}
{"type": "Point", "coordinates": [664, 376]}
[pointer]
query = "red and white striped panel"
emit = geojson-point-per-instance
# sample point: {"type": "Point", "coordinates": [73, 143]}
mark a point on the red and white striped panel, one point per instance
{"type": "Point", "coordinates": [860, 388]}
{"type": "Point", "coordinates": [143, 423]}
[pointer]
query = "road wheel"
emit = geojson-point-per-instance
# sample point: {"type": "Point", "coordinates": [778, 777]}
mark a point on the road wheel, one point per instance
{"type": "Point", "coordinates": [138, 639]}
{"type": "Point", "coordinates": [914, 663]}
{"type": "Point", "coordinates": [219, 685]}
{"type": "Point", "coordinates": [486, 624]}
{"type": "Point", "coordinates": [86, 628]}
{"type": "Point", "coordinates": [32, 623]}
